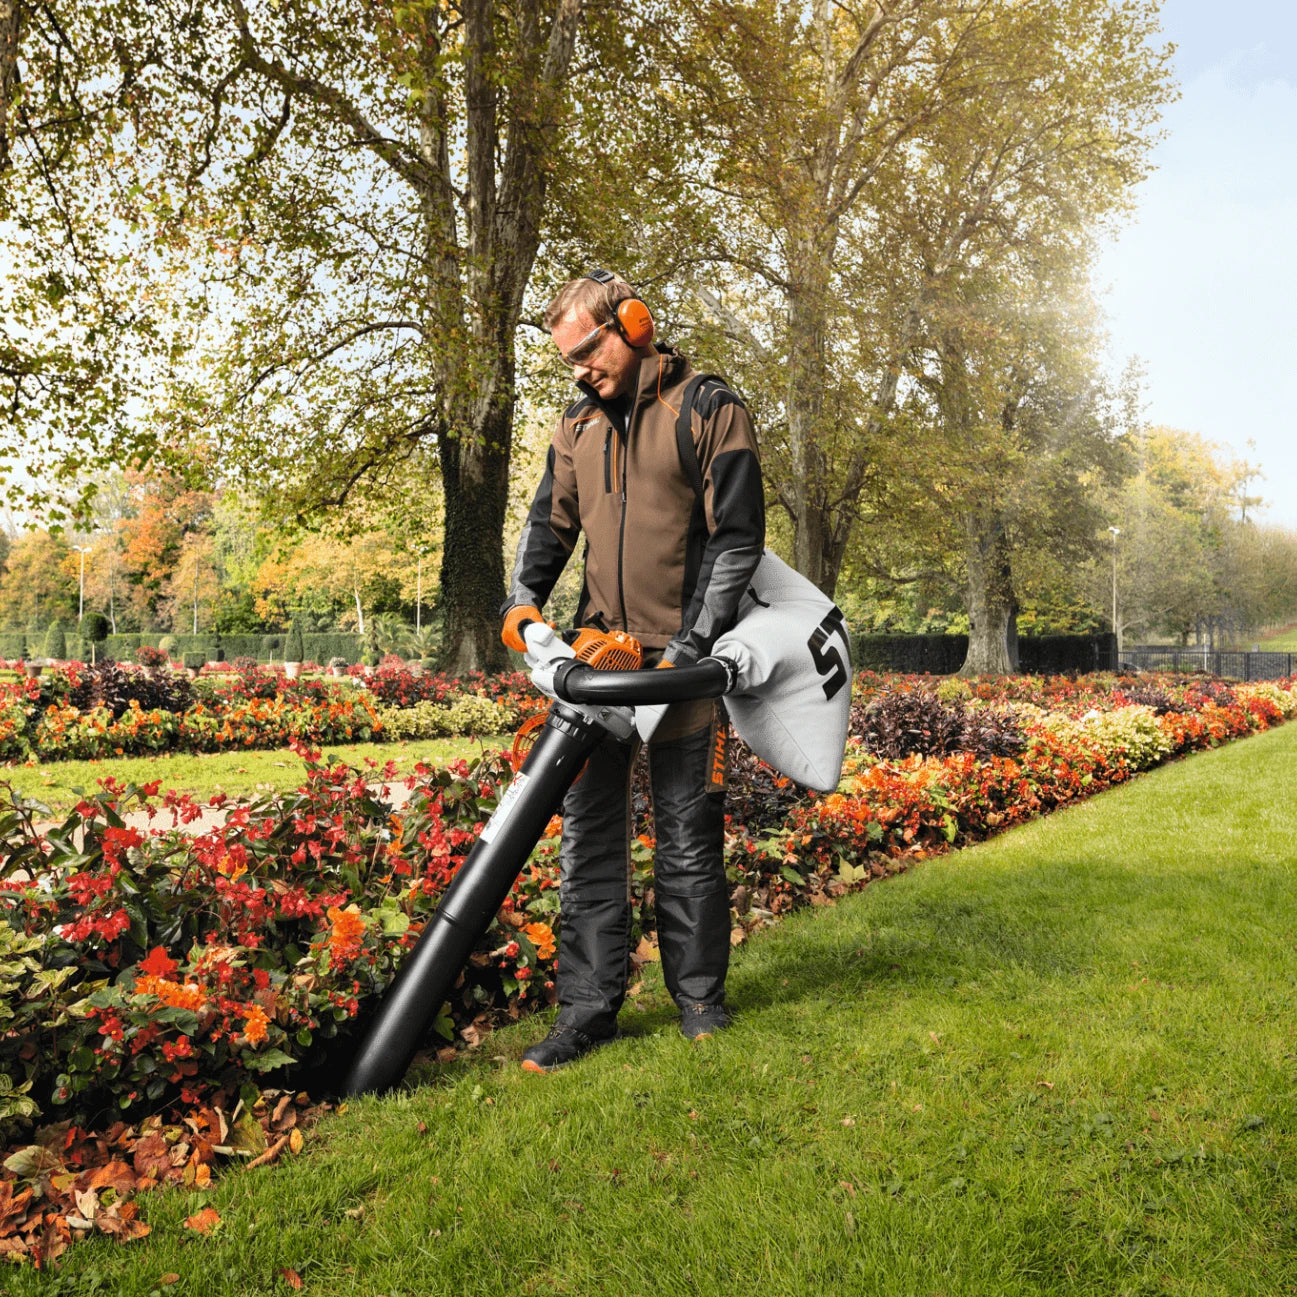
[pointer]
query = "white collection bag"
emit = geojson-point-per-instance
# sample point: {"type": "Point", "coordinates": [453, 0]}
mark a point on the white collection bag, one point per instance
{"type": "Point", "coordinates": [791, 702]}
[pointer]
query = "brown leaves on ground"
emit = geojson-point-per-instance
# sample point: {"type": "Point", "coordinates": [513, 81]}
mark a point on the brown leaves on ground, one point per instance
{"type": "Point", "coordinates": [70, 1184]}
{"type": "Point", "coordinates": [203, 1222]}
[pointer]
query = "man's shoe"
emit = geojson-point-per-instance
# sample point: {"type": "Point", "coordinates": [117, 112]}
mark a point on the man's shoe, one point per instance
{"type": "Point", "coordinates": [698, 1021]}
{"type": "Point", "coordinates": [563, 1045]}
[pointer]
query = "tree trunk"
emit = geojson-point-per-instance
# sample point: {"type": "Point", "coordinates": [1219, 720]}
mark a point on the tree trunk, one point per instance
{"type": "Point", "coordinates": [9, 85]}
{"type": "Point", "coordinates": [475, 478]}
{"type": "Point", "coordinates": [990, 599]}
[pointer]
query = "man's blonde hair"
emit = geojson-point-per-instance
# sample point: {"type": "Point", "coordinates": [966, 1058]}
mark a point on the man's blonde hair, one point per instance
{"type": "Point", "coordinates": [600, 300]}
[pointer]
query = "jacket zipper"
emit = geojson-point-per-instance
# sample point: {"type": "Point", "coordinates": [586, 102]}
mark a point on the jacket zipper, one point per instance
{"type": "Point", "coordinates": [607, 472]}
{"type": "Point", "coordinates": [621, 536]}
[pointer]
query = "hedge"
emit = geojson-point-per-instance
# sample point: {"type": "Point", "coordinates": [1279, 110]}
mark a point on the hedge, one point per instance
{"type": "Point", "coordinates": [319, 647]}
{"type": "Point", "coordinates": [943, 655]}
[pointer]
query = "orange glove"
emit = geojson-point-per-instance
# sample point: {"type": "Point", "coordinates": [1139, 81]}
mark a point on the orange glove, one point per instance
{"type": "Point", "coordinates": [514, 618]}
{"type": "Point", "coordinates": [664, 663]}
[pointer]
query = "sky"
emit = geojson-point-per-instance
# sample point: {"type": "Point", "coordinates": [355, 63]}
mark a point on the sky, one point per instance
{"type": "Point", "coordinates": [1202, 285]}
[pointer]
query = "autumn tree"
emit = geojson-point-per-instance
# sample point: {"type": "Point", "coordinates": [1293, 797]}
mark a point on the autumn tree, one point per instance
{"type": "Point", "coordinates": [38, 584]}
{"type": "Point", "coordinates": [165, 512]}
{"type": "Point", "coordinates": [1192, 560]}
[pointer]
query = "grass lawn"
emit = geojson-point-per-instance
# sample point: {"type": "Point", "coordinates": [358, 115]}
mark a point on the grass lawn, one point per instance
{"type": "Point", "coordinates": [1281, 641]}
{"type": "Point", "coordinates": [238, 774]}
{"type": "Point", "coordinates": [1060, 1062]}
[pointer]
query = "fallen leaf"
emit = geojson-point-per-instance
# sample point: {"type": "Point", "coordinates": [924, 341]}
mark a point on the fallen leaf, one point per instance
{"type": "Point", "coordinates": [115, 1175]}
{"type": "Point", "coordinates": [295, 1140]}
{"type": "Point", "coordinates": [152, 1156]}
{"type": "Point", "coordinates": [292, 1278]}
{"type": "Point", "coordinates": [280, 1108]}
{"type": "Point", "coordinates": [205, 1221]}
{"type": "Point", "coordinates": [168, 1279]}
{"type": "Point", "coordinates": [271, 1154]}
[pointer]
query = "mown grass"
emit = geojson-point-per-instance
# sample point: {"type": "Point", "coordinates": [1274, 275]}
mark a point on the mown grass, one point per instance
{"type": "Point", "coordinates": [1060, 1062]}
{"type": "Point", "coordinates": [1280, 641]}
{"type": "Point", "coordinates": [237, 774]}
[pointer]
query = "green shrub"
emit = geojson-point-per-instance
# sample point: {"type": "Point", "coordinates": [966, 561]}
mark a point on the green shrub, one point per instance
{"type": "Point", "coordinates": [56, 642]}
{"type": "Point", "coordinates": [13, 645]}
{"type": "Point", "coordinates": [94, 627]}
{"type": "Point", "coordinates": [122, 647]}
{"type": "Point", "coordinates": [271, 647]}
{"type": "Point", "coordinates": [320, 646]}
{"type": "Point", "coordinates": [471, 715]}
{"type": "Point", "coordinates": [294, 650]}
{"type": "Point", "coordinates": [168, 645]}
{"type": "Point", "coordinates": [194, 661]}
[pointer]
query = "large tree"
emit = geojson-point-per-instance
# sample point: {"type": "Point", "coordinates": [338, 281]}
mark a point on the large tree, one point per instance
{"type": "Point", "coordinates": [377, 178]}
{"type": "Point", "coordinates": [349, 197]}
{"type": "Point", "coordinates": [854, 160]}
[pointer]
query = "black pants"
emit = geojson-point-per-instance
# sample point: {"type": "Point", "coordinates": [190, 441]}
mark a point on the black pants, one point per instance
{"type": "Point", "coordinates": [692, 896]}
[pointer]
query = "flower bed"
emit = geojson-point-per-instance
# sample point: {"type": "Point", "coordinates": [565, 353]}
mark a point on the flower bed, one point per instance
{"type": "Point", "coordinates": [158, 971]}
{"type": "Point", "coordinates": [83, 712]}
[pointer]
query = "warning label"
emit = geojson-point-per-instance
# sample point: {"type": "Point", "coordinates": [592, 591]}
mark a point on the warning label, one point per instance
{"type": "Point", "coordinates": [512, 795]}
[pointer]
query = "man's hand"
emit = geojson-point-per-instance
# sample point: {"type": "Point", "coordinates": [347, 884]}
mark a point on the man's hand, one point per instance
{"type": "Point", "coordinates": [514, 620]}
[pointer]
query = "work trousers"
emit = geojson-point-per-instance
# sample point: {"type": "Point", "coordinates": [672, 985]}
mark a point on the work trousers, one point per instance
{"type": "Point", "coordinates": [691, 893]}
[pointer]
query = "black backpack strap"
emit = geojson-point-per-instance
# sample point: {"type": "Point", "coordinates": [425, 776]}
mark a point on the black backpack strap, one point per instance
{"type": "Point", "coordinates": [685, 432]}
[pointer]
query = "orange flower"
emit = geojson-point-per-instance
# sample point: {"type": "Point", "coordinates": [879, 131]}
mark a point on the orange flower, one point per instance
{"type": "Point", "coordinates": [347, 931]}
{"type": "Point", "coordinates": [188, 996]}
{"type": "Point", "coordinates": [542, 937]}
{"type": "Point", "coordinates": [255, 1023]}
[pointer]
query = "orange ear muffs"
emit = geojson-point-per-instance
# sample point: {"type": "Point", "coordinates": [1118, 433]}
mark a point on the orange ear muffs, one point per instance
{"type": "Point", "coordinates": [635, 322]}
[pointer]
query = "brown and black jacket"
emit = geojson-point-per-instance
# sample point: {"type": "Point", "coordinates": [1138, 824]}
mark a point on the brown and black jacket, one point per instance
{"type": "Point", "coordinates": [660, 563]}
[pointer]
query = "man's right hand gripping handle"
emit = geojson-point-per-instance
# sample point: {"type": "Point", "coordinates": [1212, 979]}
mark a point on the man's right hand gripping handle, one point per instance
{"type": "Point", "coordinates": [515, 619]}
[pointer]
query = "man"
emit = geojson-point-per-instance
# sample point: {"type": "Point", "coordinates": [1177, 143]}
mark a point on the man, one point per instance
{"type": "Point", "coordinates": [668, 568]}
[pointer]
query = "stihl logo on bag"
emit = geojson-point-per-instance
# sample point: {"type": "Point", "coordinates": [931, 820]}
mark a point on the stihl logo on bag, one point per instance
{"type": "Point", "coordinates": [828, 661]}
{"type": "Point", "coordinates": [718, 775]}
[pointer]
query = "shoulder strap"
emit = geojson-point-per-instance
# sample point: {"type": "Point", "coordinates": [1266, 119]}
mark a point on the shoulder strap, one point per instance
{"type": "Point", "coordinates": [685, 432]}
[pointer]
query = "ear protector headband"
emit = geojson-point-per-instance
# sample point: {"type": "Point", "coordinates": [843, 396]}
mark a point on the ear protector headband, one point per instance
{"type": "Point", "coordinates": [633, 319]}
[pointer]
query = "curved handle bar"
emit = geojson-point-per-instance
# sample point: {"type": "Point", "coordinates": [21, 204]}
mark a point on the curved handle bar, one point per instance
{"type": "Point", "coordinates": [574, 682]}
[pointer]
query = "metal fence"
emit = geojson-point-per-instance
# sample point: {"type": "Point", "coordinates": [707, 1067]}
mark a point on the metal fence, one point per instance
{"type": "Point", "coordinates": [1234, 665]}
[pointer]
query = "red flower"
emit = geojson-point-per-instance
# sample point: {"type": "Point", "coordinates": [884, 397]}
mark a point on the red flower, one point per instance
{"type": "Point", "coordinates": [158, 963]}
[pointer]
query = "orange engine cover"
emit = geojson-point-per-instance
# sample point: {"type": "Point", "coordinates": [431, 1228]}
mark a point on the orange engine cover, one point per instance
{"type": "Point", "coordinates": [608, 650]}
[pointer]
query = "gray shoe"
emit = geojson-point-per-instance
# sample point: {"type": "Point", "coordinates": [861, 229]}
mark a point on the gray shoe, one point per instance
{"type": "Point", "coordinates": [563, 1045]}
{"type": "Point", "coordinates": [698, 1021]}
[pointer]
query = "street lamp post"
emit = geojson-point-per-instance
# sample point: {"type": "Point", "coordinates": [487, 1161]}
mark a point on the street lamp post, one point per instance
{"type": "Point", "coordinates": [81, 584]}
{"type": "Point", "coordinates": [1116, 625]}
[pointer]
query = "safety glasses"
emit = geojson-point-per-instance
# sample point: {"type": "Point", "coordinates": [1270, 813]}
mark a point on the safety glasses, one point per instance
{"type": "Point", "coordinates": [585, 348]}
